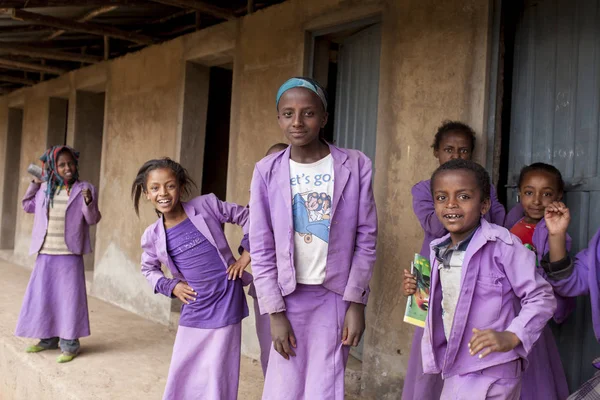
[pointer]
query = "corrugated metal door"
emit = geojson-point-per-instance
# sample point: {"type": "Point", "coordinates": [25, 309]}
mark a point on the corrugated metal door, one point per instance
{"type": "Point", "coordinates": [355, 125]}
{"type": "Point", "coordinates": [555, 119]}
{"type": "Point", "coordinates": [357, 91]}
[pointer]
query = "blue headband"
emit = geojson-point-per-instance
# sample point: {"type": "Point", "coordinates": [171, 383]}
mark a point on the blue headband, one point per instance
{"type": "Point", "coordinates": [303, 83]}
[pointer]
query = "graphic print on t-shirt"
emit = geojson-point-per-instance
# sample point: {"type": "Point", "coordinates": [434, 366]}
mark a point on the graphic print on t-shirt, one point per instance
{"type": "Point", "coordinates": [312, 192]}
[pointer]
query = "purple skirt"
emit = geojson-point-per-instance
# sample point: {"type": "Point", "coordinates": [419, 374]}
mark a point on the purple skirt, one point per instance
{"type": "Point", "coordinates": [417, 385]}
{"type": "Point", "coordinates": [205, 364]}
{"type": "Point", "coordinates": [317, 372]}
{"type": "Point", "coordinates": [263, 331]}
{"type": "Point", "coordinates": [544, 378]}
{"type": "Point", "coordinates": [55, 303]}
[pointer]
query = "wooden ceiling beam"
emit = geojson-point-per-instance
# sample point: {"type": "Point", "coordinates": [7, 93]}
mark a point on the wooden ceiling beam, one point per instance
{"type": "Point", "coordinates": [34, 52]}
{"type": "Point", "coordinates": [88, 16]}
{"type": "Point", "coordinates": [86, 27]}
{"type": "Point", "coordinates": [69, 3]}
{"type": "Point", "coordinates": [23, 66]}
{"type": "Point", "coordinates": [201, 6]}
{"type": "Point", "coordinates": [16, 79]}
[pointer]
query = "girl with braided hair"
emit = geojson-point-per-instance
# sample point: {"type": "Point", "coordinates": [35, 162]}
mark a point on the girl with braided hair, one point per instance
{"type": "Point", "coordinates": [55, 304]}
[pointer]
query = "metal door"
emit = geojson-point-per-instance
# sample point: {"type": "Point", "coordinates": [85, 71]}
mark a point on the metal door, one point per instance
{"type": "Point", "coordinates": [555, 119]}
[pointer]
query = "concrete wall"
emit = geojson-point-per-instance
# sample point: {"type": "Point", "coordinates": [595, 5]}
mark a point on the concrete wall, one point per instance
{"type": "Point", "coordinates": [433, 67]}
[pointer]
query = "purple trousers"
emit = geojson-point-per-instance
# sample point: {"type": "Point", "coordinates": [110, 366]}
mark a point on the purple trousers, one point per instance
{"type": "Point", "coordinates": [55, 302]}
{"type": "Point", "coordinates": [417, 385]}
{"type": "Point", "coordinates": [501, 382]}
{"type": "Point", "coordinates": [205, 364]}
{"type": "Point", "coordinates": [317, 372]}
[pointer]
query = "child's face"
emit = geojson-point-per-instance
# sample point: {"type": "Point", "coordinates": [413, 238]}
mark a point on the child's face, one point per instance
{"type": "Point", "coordinates": [301, 116]}
{"type": "Point", "coordinates": [454, 145]}
{"type": "Point", "coordinates": [65, 165]}
{"type": "Point", "coordinates": [458, 203]}
{"type": "Point", "coordinates": [538, 189]}
{"type": "Point", "coordinates": [163, 190]}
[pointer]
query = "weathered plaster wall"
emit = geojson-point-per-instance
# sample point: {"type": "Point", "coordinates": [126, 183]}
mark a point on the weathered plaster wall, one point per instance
{"type": "Point", "coordinates": [433, 67]}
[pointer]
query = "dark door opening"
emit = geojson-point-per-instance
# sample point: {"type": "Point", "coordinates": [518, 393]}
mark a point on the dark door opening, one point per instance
{"type": "Point", "coordinates": [58, 115]}
{"type": "Point", "coordinates": [216, 145]}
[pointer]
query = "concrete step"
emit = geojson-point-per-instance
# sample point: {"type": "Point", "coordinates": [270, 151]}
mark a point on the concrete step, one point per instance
{"type": "Point", "coordinates": [127, 356]}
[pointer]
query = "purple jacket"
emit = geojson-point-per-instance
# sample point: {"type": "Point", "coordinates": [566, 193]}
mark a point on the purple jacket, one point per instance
{"type": "Point", "coordinates": [584, 279]}
{"type": "Point", "coordinates": [500, 290]}
{"type": "Point", "coordinates": [564, 305]}
{"type": "Point", "coordinates": [433, 228]}
{"type": "Point", "coordinates": [207, 213]}
{"type": "Point", "coordinates": [352, 235]}
{"type": "Point", "coordinates": [78, 217]}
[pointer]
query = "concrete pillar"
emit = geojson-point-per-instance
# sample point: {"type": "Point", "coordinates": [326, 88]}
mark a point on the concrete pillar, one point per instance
{"type": "Point", "coordinates": [87, 139]}
{"type": "Point", "coordinates": [193, 130]}
{"type": "Point", "coordinates": [12, 160]}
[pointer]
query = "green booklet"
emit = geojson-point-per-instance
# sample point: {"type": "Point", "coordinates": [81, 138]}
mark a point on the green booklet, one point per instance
{"type": "Point", "coordinates": [418, 304]}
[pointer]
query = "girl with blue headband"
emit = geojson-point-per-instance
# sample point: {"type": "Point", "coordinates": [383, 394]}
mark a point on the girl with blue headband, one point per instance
{"type": "Point", "coordinates": [313, 256]}
{"type": "Point", "coordinates": [55, 304]}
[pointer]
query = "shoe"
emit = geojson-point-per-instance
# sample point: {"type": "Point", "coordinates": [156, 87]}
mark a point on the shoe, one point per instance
{"type": "Point", "coordinates": [66, 357]}
{"type": "Point", "coordinates": [36, 348]}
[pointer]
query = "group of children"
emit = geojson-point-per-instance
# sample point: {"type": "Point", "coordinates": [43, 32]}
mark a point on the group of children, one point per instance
{"type": "Point", "coordinates": [310, 231]}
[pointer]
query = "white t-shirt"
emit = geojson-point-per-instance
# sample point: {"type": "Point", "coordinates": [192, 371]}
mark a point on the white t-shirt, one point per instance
{"type": "Point", "coordinates": [312, 193]}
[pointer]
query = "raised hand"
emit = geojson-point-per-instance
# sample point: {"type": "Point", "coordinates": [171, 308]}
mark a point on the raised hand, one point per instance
{"type": "Point", "coordinates": [87, 195]}
{"type": "Point", "coordinates": [557, 217]}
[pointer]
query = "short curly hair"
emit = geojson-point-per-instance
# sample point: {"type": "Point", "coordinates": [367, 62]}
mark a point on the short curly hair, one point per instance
{"type": "Point", "coordinates": [453, 126]}
{"type": "Point", "coordinates": [538, 166]}
{"type": "Point", "coordinates": [481, 175]}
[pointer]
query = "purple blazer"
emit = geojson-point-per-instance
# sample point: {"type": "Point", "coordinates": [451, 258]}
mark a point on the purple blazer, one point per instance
{"type": "Point", "coordinates": [352, 234]}
{"type": "Point", "coordinates": [564, 305]}
{"type": "Point", "coordinates": [207, 213]}
{"type": "Point", "coordinates": [433, 228]}
{"type": "Point", "coordinates": [500, 290]}
{"type": "Point", "coordinates": [585, 279]}
{"type": "Point", "coordinates": [78, 217]}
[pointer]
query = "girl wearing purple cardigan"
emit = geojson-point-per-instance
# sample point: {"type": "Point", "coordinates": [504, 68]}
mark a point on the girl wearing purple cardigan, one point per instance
{"type": "Point", "coordinates": [55, 304]}
{"type": "Point", "coordinates": [312, 263]}
{"type": "Point", "coordinates": [188, 239]}
{"type": "Point", "coordinates": [486, 307]}
{"type": "Point", "coordinates": [452, 140]}
{"type": "Point", "coordinates": [539, 186]}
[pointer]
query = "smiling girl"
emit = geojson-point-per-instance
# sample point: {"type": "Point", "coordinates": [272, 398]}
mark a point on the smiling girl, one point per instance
{"type": "Point", "coordinates": [55, 304]}
{"type": "Point", "coordinates": [188, 239]}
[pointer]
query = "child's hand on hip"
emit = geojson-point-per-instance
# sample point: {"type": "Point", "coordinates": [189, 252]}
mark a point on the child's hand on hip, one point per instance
{"type": "Point", "coordinates": [489, 341]}
{"type": "Point", "coordinates": [557, 217]}
{"type": "Point", "coordinates": [410, 284]}
{"type": "Point", "coordinates": [184, 292]}
{"type": "Point", "coordinates": [236, 269]}
{"type": "Point", "coordinates": [284, 340]}
{"type": "Point", "coordinates": [354, 324]}
{"type": "Point", "coordinates": [87, 195]}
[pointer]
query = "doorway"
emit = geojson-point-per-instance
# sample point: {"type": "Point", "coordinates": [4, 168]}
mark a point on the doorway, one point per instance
{"type": "Point", "coordinates": [550, 114]}
{"type": "Point", "coordinates": [10, 199]}
{"type": "Point", "coordinates": [345, 60]}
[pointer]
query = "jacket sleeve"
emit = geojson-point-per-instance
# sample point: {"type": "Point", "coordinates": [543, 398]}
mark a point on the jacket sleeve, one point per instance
{"type": "Point", "coordinates": [363, 260]}
{"type": "Point", "coordinates": [150, 263]}
{"type": "Point", "coordinates": [262, 241]}
{"type": "Point", "coordinates": [232, 213]}
{"type": "Point", "coordinates": [90, 212]}
{"type": "Point", "coordinates": [569, 277]}
{"type": "Point", "coordinates": [28, 201]}
{"type": "Point", "coordinates": [497, 211]}
{"type": "Point", "coordinates": [425, 211]}
{"type": "Point", "coordinates": [537, 299]}
{"type": "Point", "coordinates": [513, 216]}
